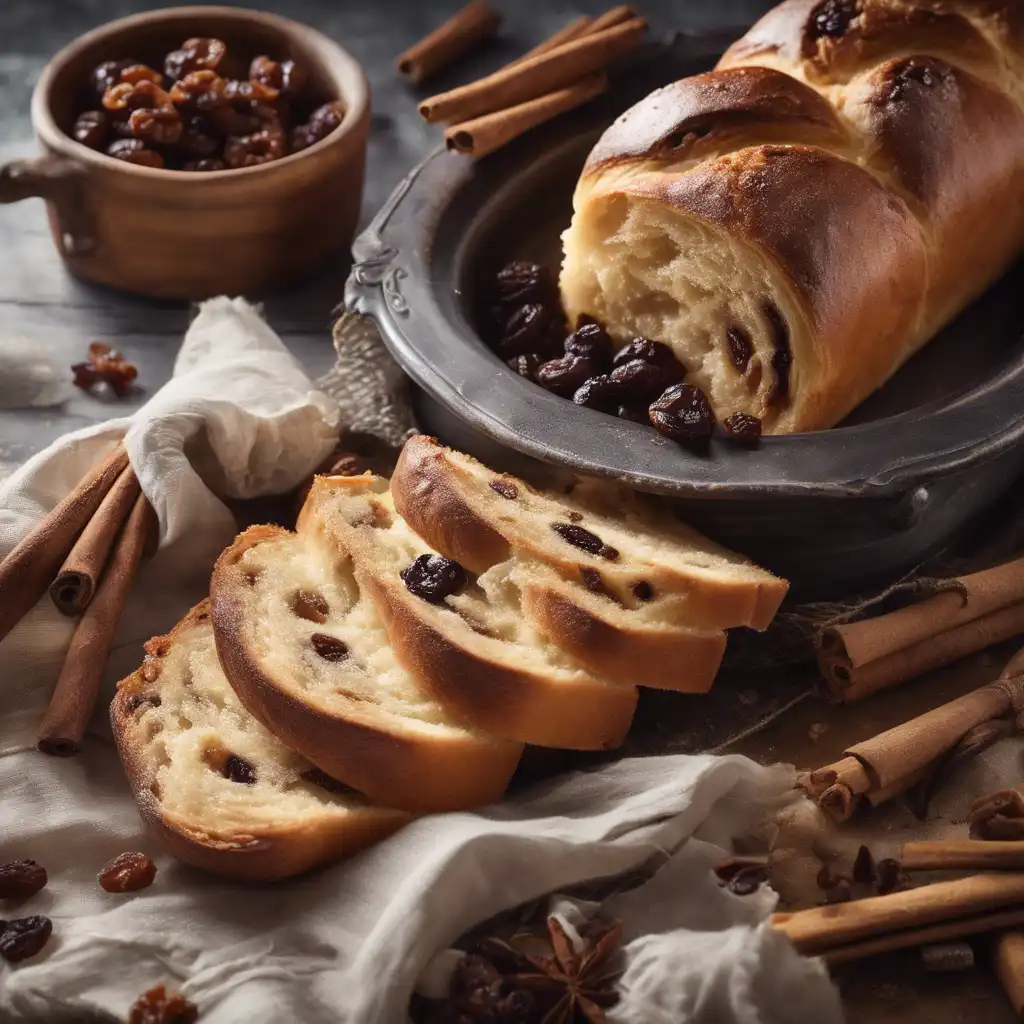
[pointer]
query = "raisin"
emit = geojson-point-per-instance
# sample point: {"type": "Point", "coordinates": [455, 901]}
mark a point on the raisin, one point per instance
{"type": "Point", "coordinates": [521, 281]}
{"type": "Point", "coordinates": [599, 392]}
{"type": "Point", "coordinates": [643, 591]}
{"type": "Point", "coordinates": [636, 413]}
{"type": "Point", "coordinates": [138, 701]}
{"type": "Point", "coordinates": [684, 414]}
{"type": "Point", "coordinates": [130, 96]}
{"type": "Point", "coordinates": [236, 91]}
{"type": "Point", "coordinates": [505, 488]}
{"type": "Point", "coordinates": [592, 342]}
{"type": "Point", "coordinates": [163, 127]}
{"type": "Point", "coordinates": [321, 123]}
{"type": "Point", "coordinates": [566, 375]}
{"type": "Point", "coordinates": [330, 648]}
{"type": "Point", "coordinates": [199, 90]}
{"type": "Point", "coordinates": [252, 578]}
{"type": "Point", "coordinates": [317, 777]}
{"type": "Point", "coordinates": [195, 54]}
{"type": "Point", "coordinates": [833, 17]}
{"type": "Point", "coordinates": [583, 539]}
{"type": "Point", "coordinates": [128, 872]}
{"type": "Point", "coordinates": [473, 977]}
{"type": "Point", "coordinates": [210, 163]}
{"type": "Point", "coordinates": [743, 428]}
{"type": "Point", "coordinates": [311, 606]}
{"type": "Point", "coordinates": [91, 129]}
{"type": "Point", "coordinates": [592, 579]}
{"type": "Point", "coordinates": [199, 137]}
{"type": "Point", "coordinates": [285, 76]}
{"type": "Point", "coordinates": [864, 867]}
{"type": "Point", "coordinates": [525, 365]}
{"type": "Point", "coordinates": [747, 880]}
{"type": "Point", "coordinates": [158, 1007]}
{"type": "Point", "coordinates": [250, 150]}
{"type": "Point", "coordinates": [741, 348]}
{"type": "Point", "coordinates": [888, 876]}
{"type": "Point", "coordinates": [24, 937]}
{"type": "Point", "coordinates": [237, 769]}
{"type": "Point", "coordinates": [434, 577]}
{"type": "Point", "coordinates": [20, 879]}
{"type": "Point", "coordinates": [644, 381]}
{"type": "Point", "coordinates": [650, 352]}
{"type": "Point", "coordinates": [108, 74]}
{"type": "Point", "coordinates": [575, 517]}
{"type": "Point", "coordinates": [781, 358]}
{"type": "Point", "coordinates": [526, 331]}
{"type": "Point", "coordinates": [135, 73]}
{"type": "Point", "coordinates": [106, 365]}
{"type": "Point", "coordinates": [519, 1005]}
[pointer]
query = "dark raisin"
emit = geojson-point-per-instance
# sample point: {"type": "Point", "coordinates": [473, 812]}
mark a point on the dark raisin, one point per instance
{"type": "Point", "coordinates": [309, 605]}
{"type": "Point", "coordinates": [139, 95]}
{"type": "Point", "coordinates": [196, 54]}
{"type": "Point", "coordinates": [320, 778]}
{"type": "Point", "coordinates": [580, 538]}
{"type": "Point", "coordinates": [138, 701]}
{"type": "Point", "coordinates": [650, 352]}
{"type": "Point", "coordinates": [566, 375]}
{"type": "Point", "coordinates": [864, 867]}
{"type": "Point", "coordinates": [199, 91]}
{"type": "Point", "coordinates": [684, 414]}
{"type": "Point", "coordinates": [607, 551]}
{"type": "Point", "coordinates": [237, 769]}
{"type": "Point", "coordinates": [575, 517]}
{"type": "Point", "coordinates": [526, 365]}
{"type": "Point", "coordinates": [748, 880]}
{"type": "Point", "coordinates": [888, 876]}
{"type": "Point", "coordinates": [591, 579]}
{"type": "Point", "coordinates": [157, 1006]}
{"type": "Point", "coordinates": [591, 341]}
{"type": "Point", "coordinates": [505, 488]}
{"type": "Point", "coordinates": [199, 138]}
{"type": "Point", "coordinates": [108, 74]}
{"type": "Point", "coordinates": [321, 123]}
{"type": "Point", "coordinates": [284, 76]}
{"type": "Point", "coordinates": [24, 937]}
{"type": "Point", "coordinates": [526, 331]}
{"type": "Point", "coordinates": [643, 591]}
{"type": "Point", "coordinates": [473, 976]}
{"type": "Point", "coordinates": [635, 412]}
{"type": "Point", "coordinates": [434, 577]}
{"type": "Point", "coordinates": [162, 127]}
{"type": "Point", "coordinates": [330, 648]}
{"type": "Point", "coordinates": [599, 392]}
{"type": "Point", "coordinates": [251, 150]}
{"type": "Point", "coordinates": [585, 318]}
{"type": "Point", "coordinates": [743, 428]}
{"type": "Point", "coordinates": [135, 151]}
{"type": "Point", "coordinates": [916, 71]}
{"type": "Point", "coordinates": [833, 17]}
{"type": "Point", "coordinates": [644, 381]}
{"type": "Point", "coordinates": [20, 879]}
{"type": "Point", "coordinates": [128, 872]}
{"type": "Point", "coordinates": [91, 129]}
{"type": "Point", "coordinates": [741, 348]}
{"type": "Point", "coordinates": [520, 282]}
{"type": "Point", "coordinates": [781, 358]}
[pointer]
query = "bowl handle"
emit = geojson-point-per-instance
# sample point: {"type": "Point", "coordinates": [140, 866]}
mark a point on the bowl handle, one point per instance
{"type": "Point", "coordinates": [59, 181]}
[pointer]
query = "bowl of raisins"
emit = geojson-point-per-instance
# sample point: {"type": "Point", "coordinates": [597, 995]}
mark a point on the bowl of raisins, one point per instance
{"type": "Point", "coordinates": [195, 151]}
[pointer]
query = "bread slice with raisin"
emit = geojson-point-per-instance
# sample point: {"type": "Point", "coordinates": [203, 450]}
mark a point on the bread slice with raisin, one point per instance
{"type": "Point", "coordinates": [638, 548]}
{"type": "Point", "coordinates": [221, 791]}
{"type": "Point", "coordinates": [309, 657]}
{"type": "Point", "coordinates": [466, 638]}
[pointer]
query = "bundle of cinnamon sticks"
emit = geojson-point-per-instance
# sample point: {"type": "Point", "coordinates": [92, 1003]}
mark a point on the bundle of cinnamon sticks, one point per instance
{"type": "Point", "coordinates": [86, 552]}
{"type": "Point", "coordinates": [972, 613]}
{"type": "Point", "coordinates": [559, 74]}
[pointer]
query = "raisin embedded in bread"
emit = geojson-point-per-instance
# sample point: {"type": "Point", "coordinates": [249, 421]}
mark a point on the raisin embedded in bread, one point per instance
{"type": "Point", "coordinates": [308, 655]}
{"type": "Point", "coordinates": [220, 790]}
{"type": "Point", "coordinates": [639, 550]}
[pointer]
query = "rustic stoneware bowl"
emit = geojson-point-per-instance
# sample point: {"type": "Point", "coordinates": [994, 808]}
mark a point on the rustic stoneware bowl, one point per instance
{"type": "Point", "coordinates": [177, 234]}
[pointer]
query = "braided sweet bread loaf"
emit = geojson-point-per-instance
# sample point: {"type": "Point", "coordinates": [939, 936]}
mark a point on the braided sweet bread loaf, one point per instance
{"type": "Point", "coordinates": [798, 222]}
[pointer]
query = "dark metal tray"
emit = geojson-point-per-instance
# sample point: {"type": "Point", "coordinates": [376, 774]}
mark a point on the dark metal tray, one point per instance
{"type": "Point", "coordinates": [832, 511]}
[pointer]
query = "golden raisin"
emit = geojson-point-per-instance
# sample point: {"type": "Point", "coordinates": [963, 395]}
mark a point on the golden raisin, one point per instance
{"type": "Point", "coordinates": [250, 150]}
{"type": "Point", "coordinates": [199, 90]}
{"type": "Point", "coordinates": [163, 127]}
{"type": "Point", "coordinates": [157, 1006]}
{"type": "Point", "coordinates": [135, 151]}
{"type": "Point", "coordinates": [196, 54]}
{"type": "Point", "coordinates": [128, 872]}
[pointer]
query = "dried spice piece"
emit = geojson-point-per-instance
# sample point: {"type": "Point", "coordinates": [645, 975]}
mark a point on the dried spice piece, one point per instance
{"type": "Point", "coordinates": [888, 876]}
{"type": "Point", "coordinates": [743, 428]}
{"type": "Point", "coordinates": [128, 872]}
{"type": "Point", "coordinates": [134, 151]}
{"type": "Point", "coordinates": [434, 577]}
{"type": "Point", "coordinates": [311, 606]}
{"type": "Point", "coordinates": [505, 488]}
{"type": "Point", "coordinates": [864, 867]}
{"type": "Point", "coordinates": [237, 769]}
{"type": "Point", "coordinates": [24, 937]}
{"type": "Point", "coordinates": [20, 879]}
{"type": "Point", "coordinates": [330, 648]}
{"type": "Point", "coordinates": [684, 414]}
{"type": "Point", "coordinates": [91, 128]}
{"type": "Point", "coordinates": [105, 366]}
{"type": "Point", "coordinates": [157, 1006]}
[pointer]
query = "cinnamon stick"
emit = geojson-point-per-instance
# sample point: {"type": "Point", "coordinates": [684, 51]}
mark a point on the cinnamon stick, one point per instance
{"type": "Point", "coordinates": [29, 568]}
{"type": "Point", "coordinates": [613, 16]}
{"type": "Point", "coordinates": [566, 34]}
{"type": "Point", "coordinates": [536, 76]}
{"type": "Point", "coordinates": [75, 584]}
{"type": "Point", "coordinates": [962, 855]}
{"type": "Point", "coordinates": [456, 37]}
{"type": "Point", "coordinates": [977, 594]}
{"type": "Point", "coordinates": [483, 135]}
{"type": "Point", "coordinates": [77, 689]}
{"type": "Point", "coordinates": [847, 683]}
{"type": "Point", "coordinates": [1009, 962]}
{"type": "Point", "coordinates": [822, 928]}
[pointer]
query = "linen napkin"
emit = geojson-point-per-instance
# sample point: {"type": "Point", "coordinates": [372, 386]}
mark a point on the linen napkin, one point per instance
{"type": "Point", "coordinates": [347, 944]}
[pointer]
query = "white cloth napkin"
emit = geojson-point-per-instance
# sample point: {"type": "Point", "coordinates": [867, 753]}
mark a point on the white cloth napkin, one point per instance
{"type": "Point", "coordinates": [347, 944]}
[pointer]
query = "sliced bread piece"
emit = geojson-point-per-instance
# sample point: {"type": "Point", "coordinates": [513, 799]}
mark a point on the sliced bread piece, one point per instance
{"type": "Point", "coordinates": [639, 645]}
{"type": "Point", "coordinates": [221, 791]}
{"type": "Point", "coordinates": [476, 517]}
{"type": "Point", "coordinates": [309, 657]}
{"type": "Point", "coordinates": [465, 638]}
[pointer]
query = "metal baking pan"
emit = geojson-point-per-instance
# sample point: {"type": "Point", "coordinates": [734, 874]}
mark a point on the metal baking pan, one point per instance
{"type": "Point", "coordinates": [832, 511]}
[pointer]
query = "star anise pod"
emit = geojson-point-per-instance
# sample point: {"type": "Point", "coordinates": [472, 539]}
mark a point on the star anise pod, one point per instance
{"type": "Point", "coordinates": [578, 986]}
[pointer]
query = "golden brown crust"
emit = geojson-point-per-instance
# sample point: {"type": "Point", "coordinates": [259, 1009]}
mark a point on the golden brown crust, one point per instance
{"type": "Point", "coordinates": [265, 854]}
{"type": "Point", "coordinates": [365, 746]}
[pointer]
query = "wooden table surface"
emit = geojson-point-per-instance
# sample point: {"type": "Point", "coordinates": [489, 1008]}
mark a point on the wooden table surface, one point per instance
{"type": "Point", "coordinates": [40, 301]}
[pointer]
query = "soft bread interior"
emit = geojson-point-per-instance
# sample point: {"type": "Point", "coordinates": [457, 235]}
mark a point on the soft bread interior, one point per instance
{"type": "Point", "coordinates": [645, 269]}
{"type": "Point", "coordinates": [188, 723]}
